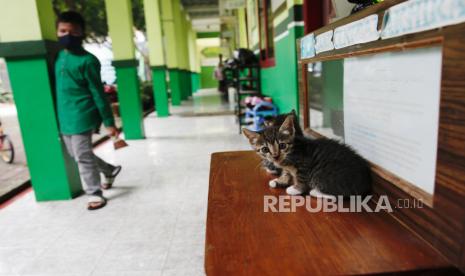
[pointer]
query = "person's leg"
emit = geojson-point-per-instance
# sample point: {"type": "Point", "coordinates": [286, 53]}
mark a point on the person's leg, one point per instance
{"type": "Point", "coordinates": [109, 171]}
{"type": "Point", "coordinates": [104, 167]}
{"type": "Point", "coordinates": [68, 145]}
{"type": "Point", "coordinates": [84, 156]}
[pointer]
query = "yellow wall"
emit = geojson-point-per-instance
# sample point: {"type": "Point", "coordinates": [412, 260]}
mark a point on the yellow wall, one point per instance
{"type": "Point", "coordinates": [23, 20]}
{"type": "Point", "coordinates": [119, 16]}
{"type": "Point", "coordinates": [280, 17]}
{"type": "Point", "coordinates": [184, 64]}
{"type": "Point", "coordinates": [154, 33]}
{"type": "Point", "coordinates": [291, 3]}
{"type": "Point", "coordinates": [169, 33]}
{"type": "Point", "coordinates": [241, 18]}
{"type": "Point", "coordinates": [252, 21]}
{"type": "Point", "coordinates": [192, 49]}
{"type": "Point", "coordinates": [178, 32]}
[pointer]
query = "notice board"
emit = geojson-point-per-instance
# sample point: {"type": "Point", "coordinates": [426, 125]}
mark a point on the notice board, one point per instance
{"type": "Point", "coordinates": [391, 111]}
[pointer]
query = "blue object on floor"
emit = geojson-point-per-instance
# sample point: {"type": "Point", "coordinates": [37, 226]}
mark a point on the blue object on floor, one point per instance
{"type": "Point", "coordinates": [258, 114]}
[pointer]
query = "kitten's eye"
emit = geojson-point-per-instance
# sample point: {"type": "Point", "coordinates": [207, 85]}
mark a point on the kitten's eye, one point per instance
{"type": "Point", "coordinates": [282, 146]}
{"type": "Point", "coordinates": [265, 150]}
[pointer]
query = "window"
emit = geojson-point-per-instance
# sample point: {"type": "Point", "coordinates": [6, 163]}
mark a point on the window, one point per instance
{"type": "Point", "coordinates": [265, 17]}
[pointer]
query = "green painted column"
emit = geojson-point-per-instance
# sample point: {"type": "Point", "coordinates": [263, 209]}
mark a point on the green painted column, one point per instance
{"type": "Point", "coordinates": [192, 80]}
{"type": "Point", "coordinates": [195, 82]}
{"type": "Point", "coordinates": [129, 98]}
{"type": "Point", "coordinates": [194, 60]}
{"type": "Point", "coordinates": [186, 25]}
{"type": "Point", "coordinates": [187, 80]}
{"type": "Point", "coordinates": [152, 11]}
{"type": "Point", "coordinates": [172, 49]}
{"type": "Point", "coordinates": [119, 16]}
{"type": "Point", "coordinates": [28, 48]}
{"type": "Point", "coordinates": [188, 83]}
{"type": "Point", "coordinates": [192, 48]}
{"type": "Point", "coordinates": [184, 82]}
{"type": "Point", "coordinates": [180, 22]}
{"type": "Point", "coordinates": [175, 85]}
{"type": "Point", "coordinates": [160, 88]}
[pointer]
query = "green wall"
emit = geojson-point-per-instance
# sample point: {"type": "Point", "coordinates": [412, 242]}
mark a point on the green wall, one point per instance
{"type": "Point", "coordinates": [206, 77]}
{"type": "Point", "coordinates": [281, 81]}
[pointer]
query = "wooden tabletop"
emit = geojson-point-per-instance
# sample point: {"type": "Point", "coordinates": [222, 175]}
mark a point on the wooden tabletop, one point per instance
{"type": "Point", "coordinates": [244, 240]}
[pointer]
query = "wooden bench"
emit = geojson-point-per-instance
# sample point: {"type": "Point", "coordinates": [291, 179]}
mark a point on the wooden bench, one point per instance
{"type": "Point", "coordinates": [242, 239]}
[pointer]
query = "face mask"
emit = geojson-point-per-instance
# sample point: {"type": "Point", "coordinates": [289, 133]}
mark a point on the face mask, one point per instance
{"type": "Point", "coordinates": [70, 42]}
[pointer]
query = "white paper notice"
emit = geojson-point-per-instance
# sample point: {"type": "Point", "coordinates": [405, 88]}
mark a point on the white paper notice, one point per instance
{"type": "Point", "coordinates": [420, 15]}
{"type": "Point", "coordinates": [324, 42]}
{"type": "Point", "coordinates": [360, 31]}
{"type": "Point", "coordinates": [391, 111]}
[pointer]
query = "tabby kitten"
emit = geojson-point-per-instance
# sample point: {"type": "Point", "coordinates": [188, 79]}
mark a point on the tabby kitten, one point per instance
{"type": "Point", "coordinates": [323, 167]}
{"type": "Point", "coordinates": [278, 121]}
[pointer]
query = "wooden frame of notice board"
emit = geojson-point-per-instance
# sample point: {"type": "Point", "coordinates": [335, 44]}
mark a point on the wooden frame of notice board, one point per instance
{"type": "Point", "coordinates": [441, 220]}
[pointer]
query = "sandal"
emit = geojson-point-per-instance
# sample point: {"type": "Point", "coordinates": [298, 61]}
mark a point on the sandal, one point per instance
{"type": "Point", "coordinates": [110, 179]}
{"type": "Point", "coordinates": [96, 202]}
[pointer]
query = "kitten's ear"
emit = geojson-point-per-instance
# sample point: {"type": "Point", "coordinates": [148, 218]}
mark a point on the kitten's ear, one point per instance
{"type": "Point", "coordinates": [287, 127]}
{"type": "Point", "coordinates": [293, 112]}
{"type": "Point", "coordinates": [251, 135]}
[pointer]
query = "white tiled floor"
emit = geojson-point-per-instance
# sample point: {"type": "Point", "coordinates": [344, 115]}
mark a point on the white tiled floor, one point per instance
{"type": "Point", "coordinates": [154, 223]}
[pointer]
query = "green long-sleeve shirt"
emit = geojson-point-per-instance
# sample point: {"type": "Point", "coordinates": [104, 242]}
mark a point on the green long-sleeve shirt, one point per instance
{"type": "Point", "coordinates": [81, 102]}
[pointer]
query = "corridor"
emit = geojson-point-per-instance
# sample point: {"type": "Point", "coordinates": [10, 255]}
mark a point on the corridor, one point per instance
{"type": "Point", "coordinates": [154, 223]}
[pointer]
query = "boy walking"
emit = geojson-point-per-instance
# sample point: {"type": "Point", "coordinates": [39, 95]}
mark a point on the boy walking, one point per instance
{"type": "Point", "coordinates": [82, 107]}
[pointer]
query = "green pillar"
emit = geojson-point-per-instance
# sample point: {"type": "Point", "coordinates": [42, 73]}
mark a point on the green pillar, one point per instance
{"type": "Point", "coordinates": [119, 15]}
{"type": "Point", "coordinates": [194, 82]}
{"type": "Point", "coordinates": [184, 92]}
{"type": "Point", "coordinates": [189, 82]}
{"type": "Point", "coordinates": [130, 104]}
{"type": "Point", "coordinates": [197, 80]}
{"type": "Point", "coordinates": [175, 85]}
{"type": "Point", "coordinates": [194, 60]}
{"type": "Point", "coordinates": [184, 63]}
{"type": "Point", "coordinates": [194, 89]}
{"type": "Point", "coordinates": [172, 49]}
{"type": "Point", "coordinates": [28, 47]}
{"type": "Point", "coordinates": [159, 86]}
{"type": "Point", "coordinates": [153, 21]}
{"type": "Point", "coordinates": [192, 49]}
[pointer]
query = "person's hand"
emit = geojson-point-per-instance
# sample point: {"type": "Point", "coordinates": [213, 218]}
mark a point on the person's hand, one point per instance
{"type": "Point", "coordinates": [112, 131]}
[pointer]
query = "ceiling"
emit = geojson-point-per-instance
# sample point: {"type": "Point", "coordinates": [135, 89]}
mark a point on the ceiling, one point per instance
{"type": "Point", "coordinates": [204, 14]}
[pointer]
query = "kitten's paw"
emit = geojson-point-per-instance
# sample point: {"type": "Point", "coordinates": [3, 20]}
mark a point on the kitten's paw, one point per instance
{"type": "Point", "coordinates": [293, 191]}
{"type": "Point", "coordinates": [273, 172]}
{"type": "Point", "coordinates": [318, 194]}
{"type": "Point", "coordinates": [273, 183]}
